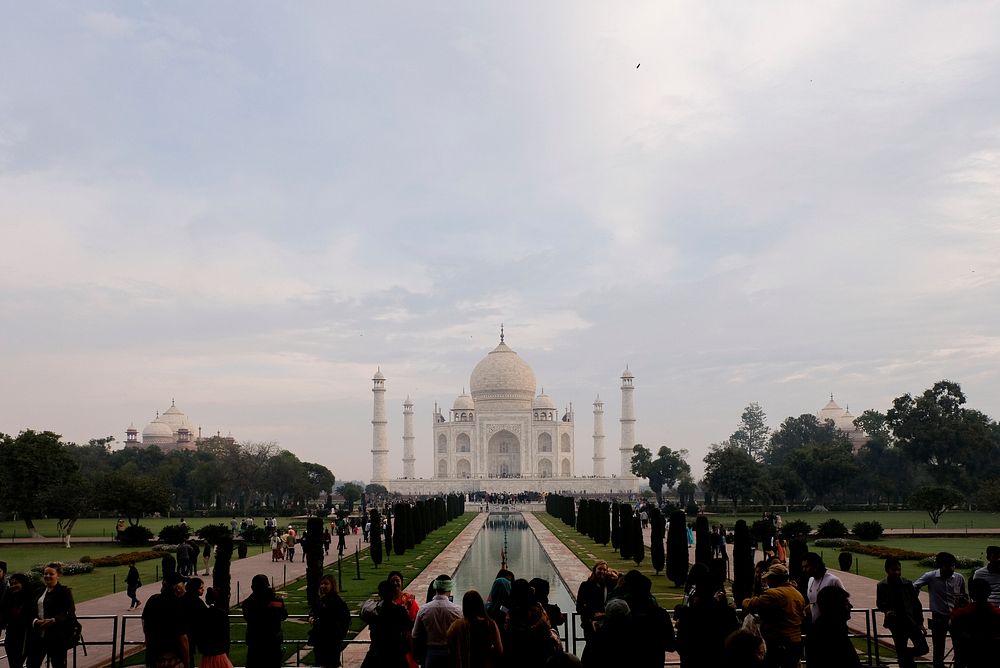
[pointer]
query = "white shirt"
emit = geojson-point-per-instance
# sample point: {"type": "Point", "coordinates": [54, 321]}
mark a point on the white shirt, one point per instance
{"type": "Point", "coordinates": [828, 579]}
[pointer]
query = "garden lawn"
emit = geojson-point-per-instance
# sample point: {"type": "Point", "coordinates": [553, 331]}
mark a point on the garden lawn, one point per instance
{"type": "Point", "coordinates": [895, 519]}
{"type": "Point", "coordinates": [355, 592]}
{"type": "Point", "coordinates": [873, 567]}
{"type": "Point", "coordinates": [588, 552]}
{"type": "Point", "coordinates": [105, 526]}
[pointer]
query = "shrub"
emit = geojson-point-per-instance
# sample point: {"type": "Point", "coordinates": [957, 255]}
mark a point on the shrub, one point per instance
{"type": "Point", "coordinates": [835, 542]}
{"type": "Point", "coordinates": [867, 530]}
{"type": "Point", "coordinates": [85, 559]}
{"type": "Point", "coordinates": [68, 568]}
{"type": "Point", "coordinates": [960, 561]}
{"type": "Point", "coordinates": [832, 528]}
{"type": "Point", "coordinates": [256, 535]}
{"type": "Point", "coordinates": [174, 534]}
{"type": "Point", "coordinates": [795, 529]}
{"type": "Point", "coordinates": [213, 532]}
{"type": "Point", "coordinates": [125, 557]}
{"type": "Point", "coordinates": [136, 534]}
{"type": "Point", "coordinates": [883, 552]}
{"type": "Point", "coordinates": [761, 530]}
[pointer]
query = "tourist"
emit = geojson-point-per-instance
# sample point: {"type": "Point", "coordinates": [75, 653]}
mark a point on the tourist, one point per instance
{"type": "Point", "coordinates": [556, 616]}
{"type": "Point", "coordinates": [119, 529]}
{"type": "Point", "coordinates": [277, 547]}
{"type": "Point", "coordinates": [3, 579]}
{"type": "Point", "coordinates": [528, 639]}
{"type": "Point", "coordinates": [704, 621]}
{"type": "Point", "coordinates": [606, 643]}
{"type": "Point", "coordinates": [290, 545]}
{"type": "Point", "coordinates": [206, 555]}
{"type": "Point", "coordinates": [744, 649]}
{"type": "Point", "coordinates": [946, 591]}
{"type": "Point", "coordinates": [991, 573]}
{"type": "Point", "coordinates": [403, 598]}
{"type": "Point", "coordinates": [167, 643]}
{"type": "Point", "coordinates": [213, 640]}
{"type": "Point", "coordinates": [474, 640]}
{"type": "Point", "coordinates": [132, 584]}
{"type": "Point", "coordinates": [904, 617]}
{"type": "Point", "coordinates": [327, 541]}
{"type": "Point", "coordinates": [52, 630]}
{"type": "Point", "coordinates": [819, 578]}
{"type": "Point", "coordinates": [263, 612]}
{"type": "Point", "coordinates": [497, 600]}
{"type": "Point", "coordinates": [18, 606]}
{"type": "Point", "coordinates": [828, 644]}
{"type": "Point", "coordinates": [184, 558]}
{"type": "Point", "coordinates": [330, 621]}
{"type": "Point", "coordinates": [975, 629]}
{"type": "Point", "coordinates": [593, 594]}
{"type": "Point", "coordinates": [782, 611]}
{"type": "Point", "coordinates": [390, 631]}
{"type": "Point", "coordinates": [654, 631]}
{"type": "Point", "coordinates": [430, 628]}
{"type": "Point", "coordinates": [194, 610]}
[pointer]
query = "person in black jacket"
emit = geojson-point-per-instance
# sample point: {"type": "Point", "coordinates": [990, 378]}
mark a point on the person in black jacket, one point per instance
{"type": "Point", "coordinates": [17, 612]}
{"type": "Point", "coordinates": [593, 594]}
{"type": "Point", "coordinates": [390, 626]}
{"type": "Point", "coordinates": [53, 628]}
{"type": "Point", "coordinates": [704, 621]}
{"type": "Point", "coordinates": [213, 640]}
{"type": "Point", "coordinates": [264, 612]}
{"type": "Point", "coordinates": [330, 621]}
{"type": "Point", "coordinates": [132, 584]}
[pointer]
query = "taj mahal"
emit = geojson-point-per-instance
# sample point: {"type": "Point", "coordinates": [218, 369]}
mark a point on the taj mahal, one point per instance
{"type": "Point", "coordinates": [503, 437]}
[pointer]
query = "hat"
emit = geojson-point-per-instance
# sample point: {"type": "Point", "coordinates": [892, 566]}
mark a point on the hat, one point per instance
{"type": "Point", "coordinates": [443, 583]}
{"type": "Point", "coordinates": [777, 571]}
{"type": "Point", "coordinates": [617, 607]}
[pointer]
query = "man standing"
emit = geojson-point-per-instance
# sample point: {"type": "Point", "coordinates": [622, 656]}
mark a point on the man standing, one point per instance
{"type": "Point", "coordinates": [991, 573]}
{"type": "Point", "coordinates": [430, 628]}
{"type": "Point", "coordinates": [819, 578]}
{"type": "Point", "coordinates": [904, 617]}
{"type": "Point", "coordinates": [781, 609]}
{"type": "Point", "coordinates": [163, 625]}
{"type": "Point", "coordinates": [946, 590]}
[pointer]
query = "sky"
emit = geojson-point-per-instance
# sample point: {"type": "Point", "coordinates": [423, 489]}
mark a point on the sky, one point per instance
{"type": "Point", "coordinates": [249, 207]}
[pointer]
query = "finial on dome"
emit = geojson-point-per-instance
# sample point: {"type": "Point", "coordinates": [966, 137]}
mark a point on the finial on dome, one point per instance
{"type": "Point", "coordinates": [831, 396]}
{"type": "Point", "coordinates": [501, 332]}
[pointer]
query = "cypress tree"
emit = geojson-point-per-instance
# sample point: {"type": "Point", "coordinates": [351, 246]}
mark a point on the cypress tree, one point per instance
{"type": "Point", "coordinates": [399, 532]}
{"type": "Point", "coordinates": [220, 572]}
{"type": "Point", "coordinates": [418, 523]}
{"type": "Point", "coordinates": [581, 517]}
{"type": "Point", "coordinates": [603, 520]}
{"type": "Point", "coordinates": [702, 541]}
{"type": "Point", "coordinates": [375, 538]}
{"type": "Point", "coordinates": [616, 530]}
{"type": "Point", "coordinates": [677, 548]}
{"type": "Point", "coordinates": [313, 548]}
{"type": "Point", "coordinates": [388, 535]}
{"type": "Point", "coordinates": [625, 539]}
{"type": "Point", "coordinates": [410, 534]}
{"type": "Point", "coordinates": [742, 563]}
{"type": "Point", "coordinates": [656, 536]}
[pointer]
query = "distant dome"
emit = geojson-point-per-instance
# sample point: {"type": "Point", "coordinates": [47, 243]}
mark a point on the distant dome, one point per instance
{"type": "Point", "coordinates": [463, 402]}
{"type": "Point", "coordinates": [543, 401]}
{"type": "Point", "coordinates": [502, 374]}
{"type": "Point", "coordinates": [378, 374]}
{"type": "Point", "coordinates": [156, 430]}
{"type": "Point", "coordinates": [175, 419]}
{"type": "Point", "coordinates": [627, 374]}
{"type": "Point", "coordinates": [831, 411]}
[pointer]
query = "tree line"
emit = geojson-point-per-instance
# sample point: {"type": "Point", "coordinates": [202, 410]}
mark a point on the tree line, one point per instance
{"type": "Point", "coordinates": [928, 451]}
{"type": "Point", "coordinates": [43, 476]}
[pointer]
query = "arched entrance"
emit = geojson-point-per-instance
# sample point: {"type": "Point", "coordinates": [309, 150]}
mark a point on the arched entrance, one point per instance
{"type": "Point", "coordinates": [503, 455]}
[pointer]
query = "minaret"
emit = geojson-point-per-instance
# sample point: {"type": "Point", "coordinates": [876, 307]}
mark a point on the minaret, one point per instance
{"type": "Point", "coordinates": [628, 424]}
{"type": "Point", "coordinates": [599, 457]}
{"type": "Point", "coordinates": [380, 444]}
{"type": "Point", "coordinates": [408, 457]}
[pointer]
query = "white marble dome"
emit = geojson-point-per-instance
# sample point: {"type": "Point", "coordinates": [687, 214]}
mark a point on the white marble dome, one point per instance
{"type": "Point", "coordinates": [157, 429]}
{"type": "Point", "coordinates": [543, 401]}
{"type": "Point", "coordinates": [502, 374]}
{"type": "Point", "coordinates": [175, 419]}
{"type": "Point", "coordinates": [463, 402]}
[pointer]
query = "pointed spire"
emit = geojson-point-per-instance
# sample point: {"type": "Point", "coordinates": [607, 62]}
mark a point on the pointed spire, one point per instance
{"type": "Point", "coordinates": [172, 404]}
{"type": "Point", "coordinates": [501, 332]}
{"type": "Point", "coordinates": [831, 396]}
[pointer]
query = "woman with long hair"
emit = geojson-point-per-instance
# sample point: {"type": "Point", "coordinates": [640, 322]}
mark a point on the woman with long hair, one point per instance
{"type": "Point", "coordinates": [330, 621]}
{"type": "Point", "coordinates": [474, 640]}
{"type": "Point", "coordinates": [213, 640]}
{"type": "Point", "coordinates": [593, 594]}
{"type": "Point", "coordinates": [17, 610]}
{"type": "Point", "coordinates": [264, 612]}
{"type": "Point", "coordinates": [390, 631]}
{"type": "Point", "coordinates": [53, 627]}
{"type": "Point", "coordinates": [409, 603]}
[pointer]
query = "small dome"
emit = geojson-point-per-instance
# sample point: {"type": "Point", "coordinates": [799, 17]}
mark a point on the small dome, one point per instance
{"type": "Point", "coordinates": [175, 419]}
{"type": "Point", "coordinates": [831, 411]}
{"type": "Point", "coordinates": [627, 374]}
{"type": "Point", "coordinates": [157, 429]}
{"type": "Point", "coordinates": [378, 374]}
{"type": "Point", "coordinates": [502, 374]}
{"type": "Point", "coordinates": [543, 401]}
{"type": "Point", "coordinates": [463, 402]}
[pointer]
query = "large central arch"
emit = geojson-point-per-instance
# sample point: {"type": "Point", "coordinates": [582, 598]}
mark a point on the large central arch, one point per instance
{"type": "Point", "coordinates": [503, 455]}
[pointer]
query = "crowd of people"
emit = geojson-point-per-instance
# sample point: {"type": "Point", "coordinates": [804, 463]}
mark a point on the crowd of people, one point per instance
{"type": "Point", "coordinates": [40, 622]}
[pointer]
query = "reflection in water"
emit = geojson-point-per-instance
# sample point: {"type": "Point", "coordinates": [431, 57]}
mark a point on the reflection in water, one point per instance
{"type": "Point", "coordinates": [507, 534]}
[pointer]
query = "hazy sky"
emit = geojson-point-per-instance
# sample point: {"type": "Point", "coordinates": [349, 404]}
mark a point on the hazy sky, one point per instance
{"type": "Point", "coordinates": [248, 207]}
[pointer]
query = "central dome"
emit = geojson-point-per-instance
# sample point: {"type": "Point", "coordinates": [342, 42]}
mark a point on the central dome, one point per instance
{"type": "Point", "coordinates": [502, 374]}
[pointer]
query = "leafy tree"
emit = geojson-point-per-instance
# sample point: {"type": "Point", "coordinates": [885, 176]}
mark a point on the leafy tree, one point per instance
{"type": "Point", "coordinates": [351, 492]}
{"type": "Point", "coordinates": [824, 467]}
{"type": "Point", "coordinates": [132, 496]}
{"type": "Point", "coordinates": [731, 472]}
{"type": "Point", "coordinates": [377, 490]}
{"type": "Point", "coordinates": [686, 489]}
{"type": "Point", "coordinates": [936, 500]}
{"type": "Point", "coordinates": [34, 468]}
{"type": "Point", "coordinates": [752, 434]}
{"type": "Point", "coordinates": [797, 432]}
{"type": "Point", "coordinates": [664, 470]}
{"type": "Point", "coordinates": [936, 429]}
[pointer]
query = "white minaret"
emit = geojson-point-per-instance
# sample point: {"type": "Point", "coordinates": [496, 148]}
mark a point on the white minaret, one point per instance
{"type": "Point", "coordinates": [408, 457]}
{"type": "Point", "coordinates": [628, 423]}
{"type": "Point", "coordinates": [380, 443]}
{"type": "Point", "coordinates": [599, 457]}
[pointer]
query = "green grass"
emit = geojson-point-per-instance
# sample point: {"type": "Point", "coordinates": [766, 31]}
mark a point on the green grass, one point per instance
{"type": "Point", "coordinates": [105, 526]}
{"type": "Point", "coordinates": [588, 552]}
{"type": "Point", "coordinates": [896, 519]}
{"type": "Point", "coordinates": [355, 592]}
{"type": "Point", "coordinates": [873, 567]}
